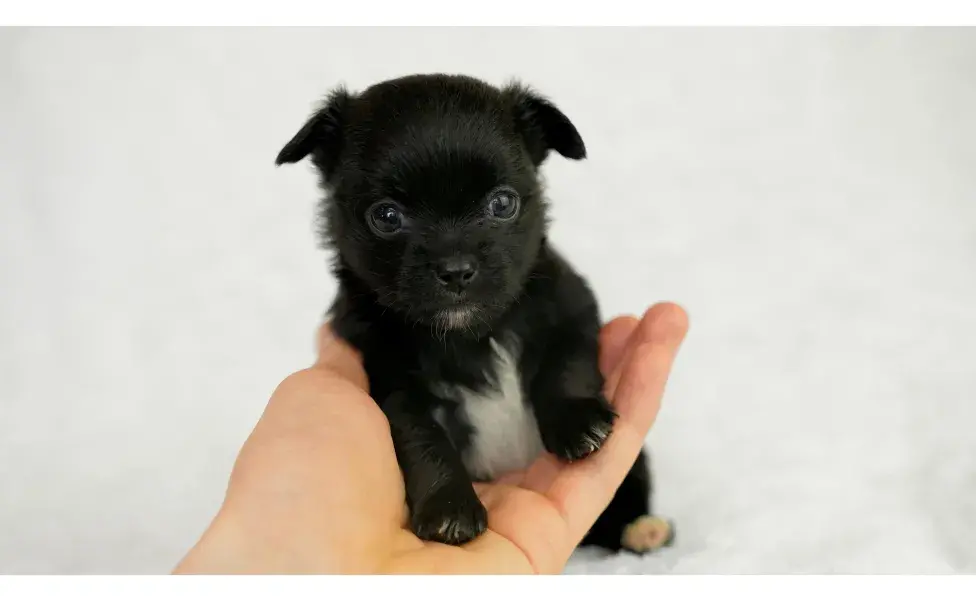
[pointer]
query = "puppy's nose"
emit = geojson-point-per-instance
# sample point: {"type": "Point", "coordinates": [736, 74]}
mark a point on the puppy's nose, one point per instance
{"type": "Point", "coordinates": [456, 273]}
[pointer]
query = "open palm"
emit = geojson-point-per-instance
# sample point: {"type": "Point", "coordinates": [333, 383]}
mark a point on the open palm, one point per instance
{"type": "Point", "coordinates": [316, 487]}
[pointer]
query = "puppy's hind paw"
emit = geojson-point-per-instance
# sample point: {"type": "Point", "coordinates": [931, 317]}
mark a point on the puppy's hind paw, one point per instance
{"type": "Point", "coordinates": [646, 534]}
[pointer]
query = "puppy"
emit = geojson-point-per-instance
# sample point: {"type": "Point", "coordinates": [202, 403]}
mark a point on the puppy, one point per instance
{"type": "Point", "coordinates": [479, 339]}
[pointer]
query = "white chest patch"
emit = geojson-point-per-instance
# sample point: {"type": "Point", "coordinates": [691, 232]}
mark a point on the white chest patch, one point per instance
{"type": "Point", "coordinates": [505, 435]}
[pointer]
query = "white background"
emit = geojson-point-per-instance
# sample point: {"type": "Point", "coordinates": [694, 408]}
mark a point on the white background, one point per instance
{"type": "Point", "coordinates": [809, 196]}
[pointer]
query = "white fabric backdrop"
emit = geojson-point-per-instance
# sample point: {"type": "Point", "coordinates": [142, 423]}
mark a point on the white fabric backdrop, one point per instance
{"type": "Point", "coordinates": [807, 195]}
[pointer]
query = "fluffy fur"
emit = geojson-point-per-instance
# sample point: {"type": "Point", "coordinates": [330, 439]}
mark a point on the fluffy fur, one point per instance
{"type": "Point", "coordinates": [479, 340]}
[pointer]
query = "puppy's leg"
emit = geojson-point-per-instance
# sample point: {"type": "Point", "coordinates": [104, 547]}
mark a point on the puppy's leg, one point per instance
{"type": "Point", "coordinates": [628, 522]}
{"type": "Point", "coordinates": [440, 495]}
{"type": "Point", "coordinates": [567, 393]}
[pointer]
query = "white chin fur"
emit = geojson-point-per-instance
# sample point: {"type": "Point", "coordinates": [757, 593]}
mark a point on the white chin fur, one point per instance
{"type": "Point", "coordinates": [456, 318]}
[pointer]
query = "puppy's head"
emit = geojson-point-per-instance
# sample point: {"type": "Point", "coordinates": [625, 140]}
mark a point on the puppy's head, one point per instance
{"type": "Point", "coordinates": [433, 193]}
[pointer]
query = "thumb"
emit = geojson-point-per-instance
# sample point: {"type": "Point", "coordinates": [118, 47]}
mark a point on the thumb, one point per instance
{"type": "Point", "coordinates": [339, 358]}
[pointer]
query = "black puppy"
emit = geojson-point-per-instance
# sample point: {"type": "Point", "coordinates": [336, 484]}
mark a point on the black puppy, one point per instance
{"type": "Point", "coordinates": [479, 340]}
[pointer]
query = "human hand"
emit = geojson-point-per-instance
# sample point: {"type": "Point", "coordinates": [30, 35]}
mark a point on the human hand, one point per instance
{"type": "Point", "coordinates": [317, 489]}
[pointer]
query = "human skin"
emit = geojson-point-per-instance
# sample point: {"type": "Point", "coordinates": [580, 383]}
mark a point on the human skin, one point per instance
{"type": "Point", "coordinates": [316, 487]}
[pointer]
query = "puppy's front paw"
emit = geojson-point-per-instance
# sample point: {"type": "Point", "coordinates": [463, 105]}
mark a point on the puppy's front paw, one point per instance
{"type": "Point", "coordinates": [578, 428]}
{"type": "Point", "coordinates": [449, 516]}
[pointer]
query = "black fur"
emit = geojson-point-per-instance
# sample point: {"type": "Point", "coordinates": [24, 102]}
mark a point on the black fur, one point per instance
{"type": "Point", "coordinates": [431, 152]}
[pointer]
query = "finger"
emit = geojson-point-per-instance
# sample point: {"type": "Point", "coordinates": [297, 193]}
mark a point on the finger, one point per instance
{"type": "Point", "coordinates": [583, 489]}
{"type": "Point", "coordinates": [625, 334]}
{"type": "Point", "coordinates": [319, 426]}
{"type": "Point", "coordinates": [640, 335]}
{"type": "Point", "coordinates": [613, 342]}
{"type": "Point", "coordinates": [332, 393]}
{"type": "Point", "coordinates": [645, 371]}
{"type": "Point", "coordinates": [339, 358]}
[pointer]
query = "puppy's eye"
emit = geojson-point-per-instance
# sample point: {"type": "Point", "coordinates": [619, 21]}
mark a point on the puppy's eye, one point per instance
{"type": "Point", "coordinates": [504, 204]}
{"type": "Point", "coordinates": [385, 218]}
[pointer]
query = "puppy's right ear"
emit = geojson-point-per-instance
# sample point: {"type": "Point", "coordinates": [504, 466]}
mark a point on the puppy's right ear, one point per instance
{"type": "Point", "coordinates": [321, 136]}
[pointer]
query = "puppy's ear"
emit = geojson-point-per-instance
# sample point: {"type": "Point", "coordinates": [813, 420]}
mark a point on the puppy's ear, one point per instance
{"type": "Point", "coordinates": [321, 136]}
{"type": "Point", "coordinates": [543, 126]}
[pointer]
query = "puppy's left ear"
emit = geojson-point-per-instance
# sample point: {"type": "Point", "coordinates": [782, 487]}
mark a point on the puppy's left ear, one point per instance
{"type": "Point", "coordinates": [543, 126]}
